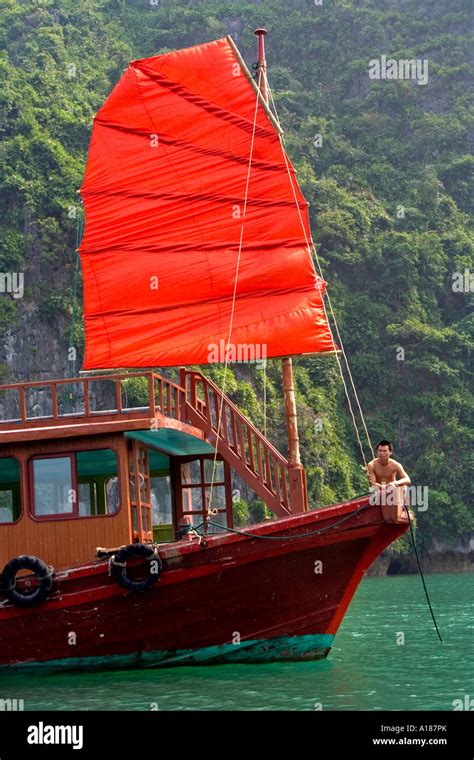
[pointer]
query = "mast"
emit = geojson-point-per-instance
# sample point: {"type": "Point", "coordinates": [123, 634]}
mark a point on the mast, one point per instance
{"type": "Point", "coordinates": [297, 473]}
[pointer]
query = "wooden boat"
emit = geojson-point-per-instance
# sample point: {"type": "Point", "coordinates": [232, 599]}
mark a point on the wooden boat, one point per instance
{"type": "Point", "coordinates": [117, 531]}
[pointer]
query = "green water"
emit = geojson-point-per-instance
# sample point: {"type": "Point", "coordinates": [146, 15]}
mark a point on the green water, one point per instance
{"type": "Point", "coordinates": [366, 670]}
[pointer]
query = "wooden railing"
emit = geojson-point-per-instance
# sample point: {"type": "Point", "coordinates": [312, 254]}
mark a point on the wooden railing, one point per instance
{"type": "Point", "coordinates": [254, 457]}
{"type": "Point", "coordinates": [74, 399]}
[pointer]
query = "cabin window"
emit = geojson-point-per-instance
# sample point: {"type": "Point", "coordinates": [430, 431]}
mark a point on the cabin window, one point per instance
{"type": "Point", "coordinates": [191, 473]}
{"type": "Point", "coordinates": [112, 492]}
{"type": "Point", "coordinates": [196, 479]}
{"type": "Point", "coordinates": [160, 497]}
{"type": "Point", "coordinates": [162, 512]}
{"type": "Point", "coordinates": [161, 507]}
{"type": "Point", "coordinates": [87, 498]}
{"type": "Point", "coordinates": [10, 491]}
{"type": "Point", "coordinates": [81, 484]}
{"type": "Point", "coordinates": [54, 493]}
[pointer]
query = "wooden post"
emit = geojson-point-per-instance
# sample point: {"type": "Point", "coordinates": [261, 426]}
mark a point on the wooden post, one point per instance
{"type": "Point", "coordinates": [183, 395]}
{"type": "Point", "coordinates": [294, 459]}
{"type": "Point", "coordinates": [262, 64]}
{"type": "Point", "coordinates": [298, 496]}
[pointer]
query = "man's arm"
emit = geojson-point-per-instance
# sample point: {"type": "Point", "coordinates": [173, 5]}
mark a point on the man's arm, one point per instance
{"type": "Point", "coordinates": [372, 475]}
{"type": "Point", "coordinates": [404, 477]}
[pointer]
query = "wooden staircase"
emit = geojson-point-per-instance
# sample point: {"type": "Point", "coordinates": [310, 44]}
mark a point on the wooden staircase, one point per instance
{"type": "Point", "coordinates": [234, 436]}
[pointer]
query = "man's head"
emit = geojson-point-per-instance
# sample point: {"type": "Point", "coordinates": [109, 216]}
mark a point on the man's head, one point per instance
{"type": "Point", "coordinates": [384, 449]}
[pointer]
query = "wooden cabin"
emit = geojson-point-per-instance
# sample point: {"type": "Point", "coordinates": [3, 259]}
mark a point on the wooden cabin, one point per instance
{"type": "Point", "coordinates": [81, 476]}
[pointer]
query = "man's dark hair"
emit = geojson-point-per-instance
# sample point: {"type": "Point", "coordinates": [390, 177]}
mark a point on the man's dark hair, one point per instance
{"type": "Point", "coordinates": [385, 443]}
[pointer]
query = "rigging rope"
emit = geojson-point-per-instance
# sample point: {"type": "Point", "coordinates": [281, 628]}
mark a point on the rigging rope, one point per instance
{"type": "Point", "coordinates": [211, 511]}
{"type": "Point", "coordinates": [284, 538]}
{"type": "Point", "coordinates": [421, 573]}
{"type": "Point", "coordinates": [74, 310]}
{"type": "Point", "coordinates": [312, 248]}
{"type": "Point", "coordinates": [265, 398]}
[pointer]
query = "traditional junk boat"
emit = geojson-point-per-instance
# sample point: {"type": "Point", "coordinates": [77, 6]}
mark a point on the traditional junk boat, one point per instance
{"type": "Point", "coordinates": [197, 236]}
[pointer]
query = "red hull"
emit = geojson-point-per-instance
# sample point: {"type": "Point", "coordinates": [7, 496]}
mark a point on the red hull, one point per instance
{"type": "Point", "coordinates": [267, 594]}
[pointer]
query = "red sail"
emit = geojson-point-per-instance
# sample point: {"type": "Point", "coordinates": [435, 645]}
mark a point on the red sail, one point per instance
{"type": "Point", "coordinates": [164, 193]}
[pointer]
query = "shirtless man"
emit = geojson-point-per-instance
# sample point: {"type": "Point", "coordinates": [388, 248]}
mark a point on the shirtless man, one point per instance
{"type": "Point", "coordinates": [383, 472]}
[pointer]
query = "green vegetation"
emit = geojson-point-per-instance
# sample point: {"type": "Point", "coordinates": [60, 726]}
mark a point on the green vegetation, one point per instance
{"type": "Point", "coordinates": [389, 195]}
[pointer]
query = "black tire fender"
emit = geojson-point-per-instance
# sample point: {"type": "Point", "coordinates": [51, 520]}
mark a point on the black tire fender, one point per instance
{"type": "Point", "coordinates": [43, 573]}
{"type": "Point", "coordinates": [118, 566]}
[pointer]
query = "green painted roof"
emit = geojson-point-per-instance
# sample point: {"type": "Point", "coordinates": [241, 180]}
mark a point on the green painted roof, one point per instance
{"type": "Point", "coordinates": [172, 442]}
{"type": "Point", "coordinates": [158, 461]}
